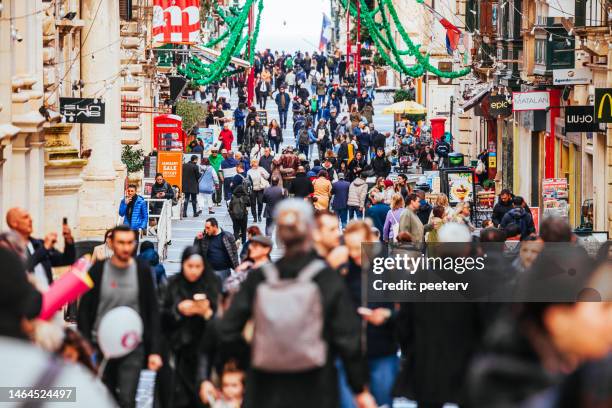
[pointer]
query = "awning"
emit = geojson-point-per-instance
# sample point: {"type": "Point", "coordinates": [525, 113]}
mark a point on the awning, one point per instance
{"type": "Point", "coordinates": [474, 100]}
{"type": "Point", "coordinates": [238, 62]}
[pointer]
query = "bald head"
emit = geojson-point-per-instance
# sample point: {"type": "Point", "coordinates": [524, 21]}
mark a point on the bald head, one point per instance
{"type": "Point", "coordinates": [19, 220]}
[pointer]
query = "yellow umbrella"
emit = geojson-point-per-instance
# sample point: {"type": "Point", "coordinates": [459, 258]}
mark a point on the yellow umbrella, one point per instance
{"type": "Point", "coordinates": [407, 107]}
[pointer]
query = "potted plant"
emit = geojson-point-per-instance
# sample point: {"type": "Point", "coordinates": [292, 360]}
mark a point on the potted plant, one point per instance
{"type": "Point", "coordinates": [134, 162]}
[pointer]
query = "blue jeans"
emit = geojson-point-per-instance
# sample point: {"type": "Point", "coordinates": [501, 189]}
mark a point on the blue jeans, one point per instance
{"type": "Point", "coordinates": [283, 118]}
{"type": "Point", "coordinates": [382, 370]}
{"type": "Point", "coordinates": [354, 212]}
{"type": "Point", "coordinates": [342, 216]}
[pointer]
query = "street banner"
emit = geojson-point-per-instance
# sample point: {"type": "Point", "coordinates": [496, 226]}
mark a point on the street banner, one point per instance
{"type": "Point", "coordinates": [82, 110]}
{"type": "Point", "coordinates": [528, 101]}
{"type": "Point", "coordinates": [176, 22]}
{"type": "Point", "coordinates": [170, 164]}
{"type": "Point", "coordinates": [574, 76]}
{"type": "Point", "coordinates": [499, 106]}
{"type": "Point", "coordinates": [603, 105]}
{"type": "Point", "coordinates": [580, 119]}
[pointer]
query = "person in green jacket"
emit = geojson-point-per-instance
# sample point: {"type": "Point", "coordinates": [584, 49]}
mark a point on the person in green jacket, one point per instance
{"type": "Point", "coordinates": [215, 161]}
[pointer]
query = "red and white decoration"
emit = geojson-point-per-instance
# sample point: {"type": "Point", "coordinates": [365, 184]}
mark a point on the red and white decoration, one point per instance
{"type": "Point", "coordinates": [176, 21]}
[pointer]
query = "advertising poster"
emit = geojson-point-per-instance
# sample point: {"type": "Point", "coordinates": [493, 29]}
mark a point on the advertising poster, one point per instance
{"type": "Point", "coordinates": [170, 164]}
{"type": "Point", "coordinates": [535, 214]}
{"type": "Point", "coordinates": [207, 135]}
{"type": "Point", "coordinates": [460, 187]}
{"type": "Point", "coordinates": [555, 197]}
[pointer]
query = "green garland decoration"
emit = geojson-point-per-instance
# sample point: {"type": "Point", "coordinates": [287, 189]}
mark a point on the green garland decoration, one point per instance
{"type": "Point", "coordinates": [204, 74]}
{"type": "Point", "coordinates": [386, 42]}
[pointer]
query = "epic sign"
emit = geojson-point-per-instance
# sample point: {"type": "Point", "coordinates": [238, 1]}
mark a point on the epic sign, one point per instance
{"type": "Point", "coordinates": [499, 106]}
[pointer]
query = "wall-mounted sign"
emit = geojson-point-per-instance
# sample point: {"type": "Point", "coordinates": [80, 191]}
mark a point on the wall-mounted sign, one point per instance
{"type": "Point", "coordinates": [603, 105]}
{"type": "Point", "coordinates": [534, 100]}
{"type": "Point", "coordinates": [176, 22]}
{"type": "Point", "coordinates": [445, 66]}
{"type": "Point", "coordinates": [82, 110]}
{"type": "Point", "coordinates": [499, 106]}
{"type": "Point", "coordinates": [580, 119]}
{"type": "Point", "coordinates": [574, 76]}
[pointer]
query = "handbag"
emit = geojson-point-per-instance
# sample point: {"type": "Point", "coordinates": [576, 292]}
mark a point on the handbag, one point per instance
{"type": "Point", "coordinates": [394, 227]}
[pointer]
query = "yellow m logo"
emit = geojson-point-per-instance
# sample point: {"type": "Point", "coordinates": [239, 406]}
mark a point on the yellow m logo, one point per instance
{"type": "Point", "coordinates": [605, 97]}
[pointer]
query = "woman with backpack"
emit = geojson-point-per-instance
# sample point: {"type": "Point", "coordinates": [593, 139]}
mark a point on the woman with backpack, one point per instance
{"type": "Point", "coordinates": [189, 304]}
{"type": "Point", "coordinates": [208, 184]}
{"type": "Point", "coordinates": [304, 138]}
{"type": "Point", "coordinates": [391, 228]}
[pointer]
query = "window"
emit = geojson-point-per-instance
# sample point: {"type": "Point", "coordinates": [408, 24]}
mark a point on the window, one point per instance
{"type": "Point", "coordinates": [540, 52]}
{"type": "Point", "coordinates": [125, 10]}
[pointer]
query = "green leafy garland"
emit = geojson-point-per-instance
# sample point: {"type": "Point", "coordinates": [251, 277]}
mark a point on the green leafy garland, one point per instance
{"type": "Point", "coordinates": [204, 74]}
{"type": "Point", "coordinates": [386, 42]}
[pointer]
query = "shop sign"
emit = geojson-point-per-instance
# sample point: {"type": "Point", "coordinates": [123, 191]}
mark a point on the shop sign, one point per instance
{"type": "Point", "coordinates": [82, 110]}
{"type": "Point", "coordinates": [445, 66]}
{"type": "Point", "coordinates": [574, 76]}
{"type": "Point", "coordinates": [603, 105]}
{"type": "Point", "coordinates": [492, 160]}
{"type": "Point", "coordinates": [499, 106]}
{"type": "Point", "coordinates": [170, 164]}
{"type": "Point", "coordinates": [528, 101]}
{"type": "Point", "coordinates": [580, 119]}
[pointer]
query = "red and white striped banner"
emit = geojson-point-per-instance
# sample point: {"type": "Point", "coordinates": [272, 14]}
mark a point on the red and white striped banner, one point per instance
{"type": "Point", "coordinates": [176, 21]}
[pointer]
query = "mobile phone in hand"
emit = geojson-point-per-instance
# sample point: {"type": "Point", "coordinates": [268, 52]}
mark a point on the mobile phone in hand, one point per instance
{"type": "Point", "coordinates": [364, 311]}
{"type": "Point", "coordinates": [199, 296]}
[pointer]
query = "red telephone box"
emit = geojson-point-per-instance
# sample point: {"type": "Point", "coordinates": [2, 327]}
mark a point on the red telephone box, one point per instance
{"type": "Point", "coordinates": [168, 134]}
{"type": "Point", "coordinates": [437, 129]}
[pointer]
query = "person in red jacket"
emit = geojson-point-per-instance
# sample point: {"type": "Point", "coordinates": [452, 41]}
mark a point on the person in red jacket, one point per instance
{"type": "Point", "coordinates": [226, 137]}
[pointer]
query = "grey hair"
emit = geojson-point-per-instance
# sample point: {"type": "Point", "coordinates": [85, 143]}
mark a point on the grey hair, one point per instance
{"type": "Point", "coordinates": [303, 209]}
{"type": "Point", "coordinates": [454, 232]}
{"type": "Point", "coordinates": [378, 197]}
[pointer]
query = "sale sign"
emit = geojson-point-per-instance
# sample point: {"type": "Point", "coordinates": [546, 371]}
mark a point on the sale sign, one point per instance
{"type": "Point", "coordinates": [170, 164]}
{"type": "Point", "coordinates": [176, 21]}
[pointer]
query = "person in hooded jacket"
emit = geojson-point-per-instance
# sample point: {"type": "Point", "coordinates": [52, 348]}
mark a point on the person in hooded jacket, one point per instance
{"type": "Point", "coordinates": [358, 190]}
{"type": "Point", "coordinates": [519, 216]}
{"type": "Point", "coordinates": [189, 303]}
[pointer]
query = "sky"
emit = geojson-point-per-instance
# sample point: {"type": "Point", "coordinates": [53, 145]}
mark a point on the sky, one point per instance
{"type": "Point", "coordinates": [291, 25]}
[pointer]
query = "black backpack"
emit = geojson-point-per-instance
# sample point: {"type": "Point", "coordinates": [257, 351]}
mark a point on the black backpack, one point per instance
{"type": "Point", "coordinates": [304, 138]}
{"type": "Point", "coordinates": [247, 184]}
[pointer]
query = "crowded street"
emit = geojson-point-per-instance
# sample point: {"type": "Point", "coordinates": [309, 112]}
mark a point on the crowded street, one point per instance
{"type": "Point", "coordinates": [274, 204]}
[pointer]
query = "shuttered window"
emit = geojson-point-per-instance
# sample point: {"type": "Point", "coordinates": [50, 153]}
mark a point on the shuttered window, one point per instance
{"type": "Point", "coordinates": [125, 9]}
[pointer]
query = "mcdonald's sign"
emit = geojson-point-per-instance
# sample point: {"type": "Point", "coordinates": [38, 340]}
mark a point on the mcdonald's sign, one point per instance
{"type": "Point", "coordinates": [603, 105]}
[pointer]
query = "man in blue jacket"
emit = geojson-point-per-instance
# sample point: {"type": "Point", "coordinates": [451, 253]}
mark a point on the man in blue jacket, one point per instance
{"type": "Point", "coordinates": [339, 192]}
{"type": "Point", "coordinates": [239, 122]}
{"type": "Point", "coordinates": [133, 209]}
{"type": "Point", "coordinates": [378, 213]}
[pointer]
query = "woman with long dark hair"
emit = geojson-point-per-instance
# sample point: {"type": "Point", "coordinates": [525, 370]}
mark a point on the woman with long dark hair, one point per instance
{"type": "Point", "coordinates": [189, 304]}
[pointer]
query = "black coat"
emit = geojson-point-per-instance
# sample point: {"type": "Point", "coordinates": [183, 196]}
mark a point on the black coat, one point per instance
{"type": "Point", "coordinates": [266, 163]}
{"type": "Point", "coordinates": [499, 210]}
{"type": "Point", "coordinates": [184, 334]}
{"type": "Point", "coordinates": [437, 341]}
{"type": "Point", "coordinates": [191, 175]}
{"type": "Point", "coordinates": [381, 166]}
{"type": "Point", "coordinates": [50, 258]}
{"type": "Point", "coordinates": [147, 302]}
{"type": "Point", "coordinates": [313, 388]}
{"type": "Point", "coordinates": [301, 186]}
{"type": "Point", "coordinates": [271, 197]}
{"type": "Point", "coordinates": [378, 140]}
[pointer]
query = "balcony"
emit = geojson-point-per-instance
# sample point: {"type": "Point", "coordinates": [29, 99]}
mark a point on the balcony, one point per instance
{"type": "Point", "coordinates": [591, 13]}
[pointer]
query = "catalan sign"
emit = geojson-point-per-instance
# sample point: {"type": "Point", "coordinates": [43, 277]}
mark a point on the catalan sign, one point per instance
{"type": "Point", "coordinates": [499, 106]}
{"type": "Point", "coordinates": [603, 105]}
{"type": "Point", "coordinates": [580, 119]}
{"type": "Point", "coordinates": [528, 101]}
{"type": "Point", "coordinates": [82, 110]}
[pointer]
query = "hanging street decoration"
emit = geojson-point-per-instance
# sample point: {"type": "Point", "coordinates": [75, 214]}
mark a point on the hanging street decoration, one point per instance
{"type": "Point", "coordinates": [176, 22]}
